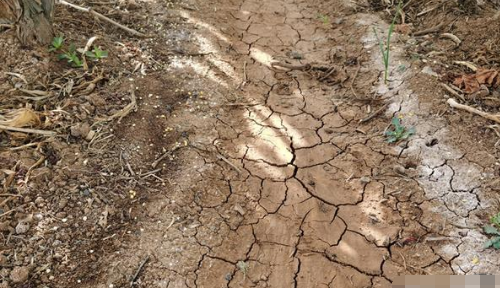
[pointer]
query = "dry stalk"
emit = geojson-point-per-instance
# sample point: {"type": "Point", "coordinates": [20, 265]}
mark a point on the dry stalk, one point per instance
{"type": "Point", "coordinates": [493, 117]}
{"type": "Point", "coordinates": [100, 16]}
{"type": "Point", "coordinates": [127, 109]}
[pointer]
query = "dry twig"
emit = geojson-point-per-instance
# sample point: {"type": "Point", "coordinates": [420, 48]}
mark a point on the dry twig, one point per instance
{"type": "Point", "coordinates": [127, 109]}
{"type": "Point", "coordinates": [27, 130]}
{"type": "Point", "coordinates": [493, 117]}
{"type": "Point", "coordinates": [374, 114]}
{"type": "Point", "coordinates": [100, 16]}
{"type": "Point", "coordinates": [139, 269]}
{"type": "Point", "coordinates": [220, 157]}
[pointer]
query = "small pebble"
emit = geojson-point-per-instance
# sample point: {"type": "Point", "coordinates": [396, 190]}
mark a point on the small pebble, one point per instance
{"type": "Point", "coordinates": [22, 227]}
{"type": "Point", "coordinates": [19, 274]}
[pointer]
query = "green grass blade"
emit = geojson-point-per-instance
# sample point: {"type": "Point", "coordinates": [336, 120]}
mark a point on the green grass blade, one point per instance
{"type": "Point", "coordinates": [380, 43]}
{"type": "Point", "coordinates": [388, 48]}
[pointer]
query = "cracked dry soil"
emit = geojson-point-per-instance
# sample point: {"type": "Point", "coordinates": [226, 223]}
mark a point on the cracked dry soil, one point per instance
{"type": "Point", "coordinates": [279, 184]}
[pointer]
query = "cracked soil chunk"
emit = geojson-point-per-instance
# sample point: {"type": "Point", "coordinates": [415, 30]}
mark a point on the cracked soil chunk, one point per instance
{"type": "Point", "coordinates": [355, 251]}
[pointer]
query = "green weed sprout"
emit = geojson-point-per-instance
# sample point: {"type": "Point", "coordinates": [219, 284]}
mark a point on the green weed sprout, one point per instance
{"type": "Point", "coordinates": [399, 132]}
{"type": "Point", "coordinates": [386, 50]}
{"type": "Point", "coordinates": [493, 231]}
{"type": "Point", "coordinates": [325, 19]}
{"type": "Point", "coordinates": [57, 43]}
{"type": "Point", "coordinates": [72, 57]}
{"type": "Point", "coordinates": [97, 53]}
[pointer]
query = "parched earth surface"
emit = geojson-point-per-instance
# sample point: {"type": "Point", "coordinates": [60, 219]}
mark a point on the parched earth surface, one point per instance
{"type": "Point", "coordinates": [267, 120]}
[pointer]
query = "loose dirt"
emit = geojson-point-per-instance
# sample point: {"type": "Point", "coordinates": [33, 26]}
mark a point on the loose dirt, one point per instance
{"type": "Point", "coordinates": [268, 177]}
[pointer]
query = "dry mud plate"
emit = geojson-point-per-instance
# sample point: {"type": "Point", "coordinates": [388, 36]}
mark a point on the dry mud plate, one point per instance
{"type": "Point", "coordinates": [274, 179]}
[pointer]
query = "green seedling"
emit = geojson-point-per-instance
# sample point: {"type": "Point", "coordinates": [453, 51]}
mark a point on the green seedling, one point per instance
{"type": "Point", "coordinates": [72, 57]}
{"type": "Point", "coordinates": [495, 220]}
{"type": "Point", "coordinates": [385, 48]}
{"type": "Point", "coordinates": [243, 266]}
{"type": "Point", "coordinates": [495, 241]}
{"type": "Point", "coordinates": [399, 132]}
{"type": "Point", "coordinates": [325, 19]}
{"type": "Point", "coordinates": [57, 43]}
{"type": "Point", "coordinates": [492, 230]}
{"type": "Point", "coordinates": [97, 54]}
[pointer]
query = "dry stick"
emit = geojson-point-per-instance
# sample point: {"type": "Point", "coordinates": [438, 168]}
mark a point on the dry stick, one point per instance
{"type": "Point", "coordinates": [428, 31]}
{"type": "Point", "coordinates": [165, 155]}
{"type": "Point", "coordinates": [127, 109]}
{"type": "Point", "coordinates": [26, 130]}
{"type": "Point", "coordinates": [278, 64]}
{"type": "Point", "coordinates": [466, 64]}
{"type": "Point", "coordinates": [427, 11]}
{"type": "Point", "coordinates": [8, 212]}
{"type": "Point", "coordinates": [452, 37]}
{"type": "Point", "coordinates": [245, 78]}
{"type": "Point", "coordinates": [28, 174]}
{"type": "Point", "coordinates": [24, 146]}
{"type": "Point", "coordinates": [132, 281]}
{"type": "Point", "coordinates": [100, 16]}
{"type": "Point", "coordinates": [229, 163]}
{"type": "Point", "coordinates": [328, 74]}
{"type": "Point", "coordinates": [87, 47]}
{"type": "Point", "coordinates": [370, 117]}
{"type": "Point", "coordinates": [354, 79]}
{"type": "Point", "coordinates": [453, 103]}
{"type": "Point", "coordinates": [453, 92]}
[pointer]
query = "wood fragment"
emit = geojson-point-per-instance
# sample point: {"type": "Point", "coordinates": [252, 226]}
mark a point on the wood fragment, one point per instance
{"type": "Point", "coordinates": [127, 109]}
{"type": "Point", "coordinates": [27, 130]}
{"type": "Point", "coordinates": [452, 38]}
{"type": "Point", "coordinates": [354, 79]}
{"type": "Point", "coordinates": [434, 239]}
{"type": "Point", "coordinates": [20, 76]}
{"type": "Point", "coordinates": [84, 51]}
{"type": "Point", "coordinates": [278, 64]}
{"type": "Point", "coordinates": [220, 157]}
{"type": "Point", "coordinates": [427, 11]}
{"type": "Point", "coordinates": [493, 117]}
{"type": "Point", "coordinates": [452, 91]}
{"type": "Point", "coordinates": [28, 174]}
{"type": "Point", "coordinates": [165, 155]}
{"type": "Point", "coordinates": [139, 269]}
{"type": "Point", "coordinates": [245, 77]}
{"type": "Point", "coordinates": [100, 16]}
{"type": "Point", "coordinates": [375, 114]}
{"type": "Point", "coordinates": [25, 146]}
{"type": "Point", "coordinates": [466, 64]}
{"type": "Point", "coordinates": [429, 31]}
{"type": "Point", "coordinates": [404, 261]}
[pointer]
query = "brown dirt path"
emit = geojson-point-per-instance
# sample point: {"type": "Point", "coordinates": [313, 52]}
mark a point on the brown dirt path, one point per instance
{"type": "Point", "coordinates": [280, 185]}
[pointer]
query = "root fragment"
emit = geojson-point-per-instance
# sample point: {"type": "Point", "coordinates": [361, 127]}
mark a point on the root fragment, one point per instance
{"type": "Point", "coordinates": [493, 117]}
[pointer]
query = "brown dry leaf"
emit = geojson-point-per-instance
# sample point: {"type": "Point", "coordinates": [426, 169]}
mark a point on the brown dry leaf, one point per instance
{"type": "Point", "coordinates": [19, 118]}
{"type": "Point", "coordinates": [468, 83]}
{"type": "Point", "coordinates": [471, 83]}
{"type": "Point", "coordinates": [484, 76]}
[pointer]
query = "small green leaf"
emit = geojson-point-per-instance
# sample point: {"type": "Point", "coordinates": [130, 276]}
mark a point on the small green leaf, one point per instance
{"type": "Point", "coordinates": [390, 133]}
{"type": "Point", "coordinates": [57, 43]}
{"type": "Point", "coordinates": [395, 122]}
{"type": "Point", "coordinates": [90, 54]}
{"type": "Point", "coordinates": [72, 48]}
{"type": "Point", "coordinates": [488, 244]}
{"type": "Point", "coordinates": [495, 220]}
{"type": "Point", "coordinates": [496, 242]}
{"type": "Point", "coordinates": [490, 230]}
{"type": "Point", "coordinates": [104, 54]}
{"type": "Point", "coordinates": [392, 139]}
{"type": "Point", "coordinates": [62, 56]}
